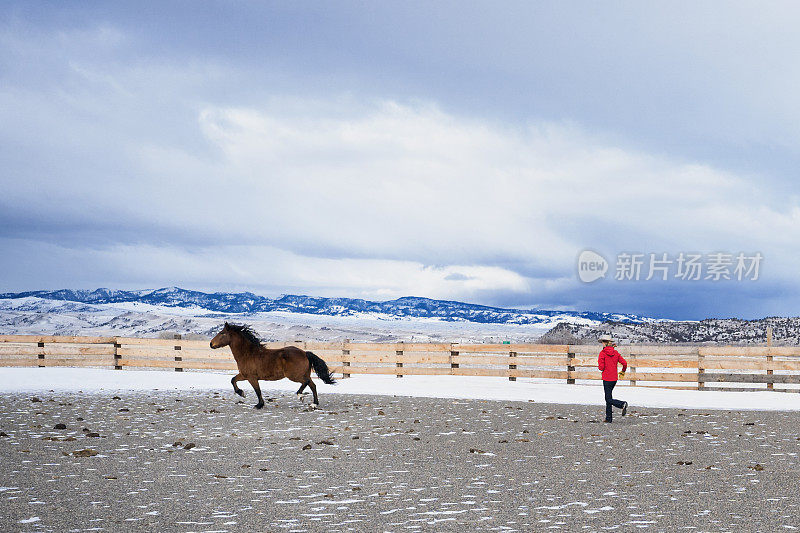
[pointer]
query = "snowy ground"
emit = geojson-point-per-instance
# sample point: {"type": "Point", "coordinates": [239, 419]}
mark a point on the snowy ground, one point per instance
{"type": "Point", "coordinates": [204, 460]}
{"type": "Point", "coordinates": [483, 388]}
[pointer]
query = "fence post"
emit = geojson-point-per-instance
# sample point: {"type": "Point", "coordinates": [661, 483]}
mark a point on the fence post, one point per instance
{"type": "Point", "coordinates": [117, 356]}
{"type": "Point", "coordinates": [512, 367]}
{"type": "Point", "coordinates": [453, 353]}
{"type": "Point", "coordinates": [700, 370]}
{"type": "Point", "coordinates": [770, 386]}
{"type": "Point", "coordinates": [345, 354]}
{"type": "Point", "coordinates": [399, 364]}
{"type": "Point", "coordinates": [177, 349]}
{"type": "Point", "coordinates": [632, 368]}
{"type": "Point", "coordinates": [570, 367]}
{"type": "Point", "coordinates": [41, 353]}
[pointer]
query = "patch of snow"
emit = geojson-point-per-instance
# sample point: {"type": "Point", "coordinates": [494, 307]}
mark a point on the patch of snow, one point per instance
{"type": "Point", "coordinates": [460, 387]}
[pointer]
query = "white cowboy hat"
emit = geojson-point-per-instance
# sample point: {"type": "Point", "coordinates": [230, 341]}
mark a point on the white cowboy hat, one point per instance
{"type": "Point", "coordinates": [605, 338]}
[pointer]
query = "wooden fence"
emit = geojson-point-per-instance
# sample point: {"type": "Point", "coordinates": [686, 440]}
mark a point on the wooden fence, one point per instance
{"type": "Point", "coordinates": [687, 367]}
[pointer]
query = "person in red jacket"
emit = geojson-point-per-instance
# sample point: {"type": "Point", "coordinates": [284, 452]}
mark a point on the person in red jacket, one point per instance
{"type": "Point", "coordinates": [607, 363]}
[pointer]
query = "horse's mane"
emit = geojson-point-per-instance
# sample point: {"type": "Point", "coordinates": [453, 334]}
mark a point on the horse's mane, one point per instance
{"type": "Point", "coordinates": [246, 332]}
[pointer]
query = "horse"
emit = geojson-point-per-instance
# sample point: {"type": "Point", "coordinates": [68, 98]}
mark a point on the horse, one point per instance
{"type": "Point", "coordinates": [256, 362]}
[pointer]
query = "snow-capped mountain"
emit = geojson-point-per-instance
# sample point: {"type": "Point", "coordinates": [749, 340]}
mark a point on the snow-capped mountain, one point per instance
{"type": "Point", "coordinates": [248, 303]}
{"type": "Point", "coordinates": [168, 311]}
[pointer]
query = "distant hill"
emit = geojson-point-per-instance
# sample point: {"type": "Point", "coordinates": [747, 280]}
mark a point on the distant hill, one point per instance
{"type": "Point", "coordinates": [785, 332]}
{"type": "Point", "coordinates": [165, 311]}
{"type": "Point", "coordinates": [406, 307]}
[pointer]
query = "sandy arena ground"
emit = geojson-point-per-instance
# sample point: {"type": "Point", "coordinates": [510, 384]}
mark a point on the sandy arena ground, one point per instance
{"type": "Point", "coordinates": [205, 461]}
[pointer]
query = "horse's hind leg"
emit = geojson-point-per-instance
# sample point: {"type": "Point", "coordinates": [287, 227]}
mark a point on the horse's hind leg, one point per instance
{"type": "Point", "coordinates": [314, 390]}
{"type": "Point", "coordinates": [257, 388]}
{"type": "Point", "coordinates": [236, 389]}
{"type": "Point", "coordinates": [300, 390]}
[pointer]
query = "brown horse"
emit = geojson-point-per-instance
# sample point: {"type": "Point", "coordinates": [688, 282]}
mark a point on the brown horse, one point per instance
{"type": "Point", "coordinates": [258, 362]}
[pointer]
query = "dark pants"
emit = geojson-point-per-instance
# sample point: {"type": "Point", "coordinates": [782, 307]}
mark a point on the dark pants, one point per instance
{"type": "Point", "coordinates": [608, 387]}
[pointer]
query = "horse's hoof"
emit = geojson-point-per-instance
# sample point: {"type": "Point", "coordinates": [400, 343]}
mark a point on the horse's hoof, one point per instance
{"type": "Point", "coordinates": [258, 406]}
{"type": "Point", "coordinates": [300, 397]}
{"type": "Point", "coordinates": [313, 406]}
{"type": "Point", "coordinates": [240, 393]}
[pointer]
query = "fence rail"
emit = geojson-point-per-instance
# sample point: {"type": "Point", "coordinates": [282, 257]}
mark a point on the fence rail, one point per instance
{"type": "Point", "coordinates": [687, 367]}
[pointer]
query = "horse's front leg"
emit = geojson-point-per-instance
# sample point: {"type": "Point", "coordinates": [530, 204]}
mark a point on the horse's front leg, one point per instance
{"type": "Point", "coordinates": [236, 389]}
{"type": "Point", "coordinates": [257, 388]}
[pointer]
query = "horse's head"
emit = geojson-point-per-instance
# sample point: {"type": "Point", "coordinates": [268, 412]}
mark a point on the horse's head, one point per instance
{"type": "Point", "coordinates": [223, 338]}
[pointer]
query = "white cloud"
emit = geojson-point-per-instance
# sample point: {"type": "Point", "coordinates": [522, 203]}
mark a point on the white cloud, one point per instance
{"type": "Point", "coordinates": [414, 181]}
{"type": "Point", "coordinates": [385, 199]}
{"type": "Point", "coordinates": [139, 173]}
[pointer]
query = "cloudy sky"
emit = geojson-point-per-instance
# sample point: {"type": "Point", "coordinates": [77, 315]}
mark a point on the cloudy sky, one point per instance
{"type": "Point", "coordinates": [381, 149]}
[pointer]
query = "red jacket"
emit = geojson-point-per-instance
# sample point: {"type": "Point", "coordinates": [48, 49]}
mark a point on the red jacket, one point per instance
{"type": "Point", "coordinates": [607, 363]}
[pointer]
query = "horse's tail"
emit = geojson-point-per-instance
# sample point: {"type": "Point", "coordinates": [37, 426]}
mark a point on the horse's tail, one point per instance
{"type": "Point", "coordinates": [321, 368]}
